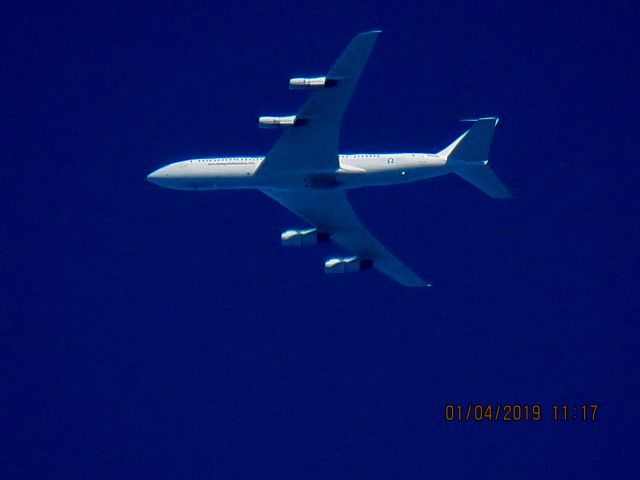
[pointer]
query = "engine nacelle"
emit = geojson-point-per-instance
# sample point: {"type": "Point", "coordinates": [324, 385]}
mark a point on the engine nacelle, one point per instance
{"type": "Point", "coordinates": [346, 265]}
{"type": "Point", "coordinates": [298, 238]}
{"type": "Point", "coordinates": [316, 82]}
{"type": "Point", "coordinates": [277, 122]}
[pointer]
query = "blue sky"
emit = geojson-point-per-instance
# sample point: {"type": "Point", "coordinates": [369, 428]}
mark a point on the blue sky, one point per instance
{"type": "Point", "coordinates": [156, 333]}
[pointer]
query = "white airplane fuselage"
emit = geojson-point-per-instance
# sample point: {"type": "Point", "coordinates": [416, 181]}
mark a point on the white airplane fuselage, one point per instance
{"type": "Point", "coordinates": [356, 170]}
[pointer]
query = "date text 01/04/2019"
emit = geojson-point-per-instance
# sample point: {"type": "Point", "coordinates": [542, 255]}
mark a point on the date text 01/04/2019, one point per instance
{"type": "Point", "coordinates": [473, 412]}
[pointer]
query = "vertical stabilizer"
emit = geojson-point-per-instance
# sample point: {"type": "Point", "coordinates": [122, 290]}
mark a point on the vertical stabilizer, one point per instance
{"type": "Point", "coordinates": [469, 155]}
{"type": "Point", "coordinates": [473, 145]}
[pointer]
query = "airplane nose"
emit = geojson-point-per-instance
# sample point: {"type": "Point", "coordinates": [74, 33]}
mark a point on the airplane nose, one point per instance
{"type": "Point", "coordinates": [155, 176]}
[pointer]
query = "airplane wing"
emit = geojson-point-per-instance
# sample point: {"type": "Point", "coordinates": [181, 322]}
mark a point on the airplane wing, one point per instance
{"type": "Point", "coordinates": [314, 146]}
{"type": "Point", "coordinates": [331, 212]}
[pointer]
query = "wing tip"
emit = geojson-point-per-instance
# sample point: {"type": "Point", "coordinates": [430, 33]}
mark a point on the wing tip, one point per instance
{"type": "Point", "coordinates": [369, 32]}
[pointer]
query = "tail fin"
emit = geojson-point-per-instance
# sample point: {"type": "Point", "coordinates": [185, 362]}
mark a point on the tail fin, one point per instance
{"type": "Point", "coordinates": [469, 155]}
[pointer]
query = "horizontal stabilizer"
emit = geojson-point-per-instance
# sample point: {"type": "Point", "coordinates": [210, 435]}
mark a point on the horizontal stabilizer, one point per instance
{"type": "Point", "coordinates": [483, 178]}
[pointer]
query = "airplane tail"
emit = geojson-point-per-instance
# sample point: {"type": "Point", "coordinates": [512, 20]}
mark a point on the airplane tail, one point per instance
{"type": "Point", "coordinates": [469, 155]}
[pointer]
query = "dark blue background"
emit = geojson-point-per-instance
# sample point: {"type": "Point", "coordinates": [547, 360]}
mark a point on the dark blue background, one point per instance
{"type": "Point", "coordinates": [149, 333]}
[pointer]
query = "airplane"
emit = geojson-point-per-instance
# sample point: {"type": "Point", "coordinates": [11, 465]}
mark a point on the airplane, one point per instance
{"type": "Point", "coordinates": [304, 172]}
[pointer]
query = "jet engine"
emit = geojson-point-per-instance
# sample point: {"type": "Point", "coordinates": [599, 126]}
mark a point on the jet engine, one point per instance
{"type": "Point", "coordinates": [346, 265]}
{"type": "Point", "coordinates": [276, 122]}
{"type": "Point", "coordinates": [297, 238]}
{"type": "Point", "coordinates": [316, 82]}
